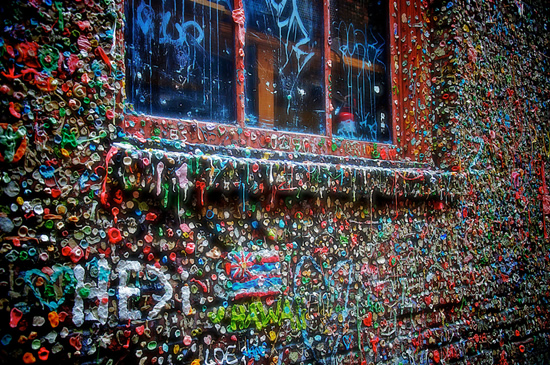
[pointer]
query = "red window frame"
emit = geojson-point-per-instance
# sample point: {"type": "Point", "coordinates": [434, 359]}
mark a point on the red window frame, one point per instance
{"type": "Point", "coordinates": [401, 48]}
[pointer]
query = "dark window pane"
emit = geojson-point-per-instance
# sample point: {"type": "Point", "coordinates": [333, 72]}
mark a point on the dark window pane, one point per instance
{"type": "Point", "coordinates": [359, 53]}
{"type": "Point", "coordinates": [284, 65]}
{"type": "Point", "coordinates": [180, 59]}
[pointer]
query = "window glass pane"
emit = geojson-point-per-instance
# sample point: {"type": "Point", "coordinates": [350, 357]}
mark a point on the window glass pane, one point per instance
{"type": "Point", "coordinates": [359, 53]}
{"type": "Point", "coordinates": [284, 65]}
{"type": "Point", "coordinates": [180, 59]}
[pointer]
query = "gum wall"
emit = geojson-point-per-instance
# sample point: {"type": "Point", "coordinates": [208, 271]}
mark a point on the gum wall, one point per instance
{"type": "Point", "coordinates": [122, 242]}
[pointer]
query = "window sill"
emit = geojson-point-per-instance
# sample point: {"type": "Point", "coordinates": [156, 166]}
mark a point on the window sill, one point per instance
{"type": "Point", "coordinates": [194, 168]}
{"type": "Point", "coordinates": [217, 134]}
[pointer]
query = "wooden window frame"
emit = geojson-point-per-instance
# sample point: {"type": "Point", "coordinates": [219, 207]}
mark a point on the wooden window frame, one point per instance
{"type": "Point", "coordinates": [240, 135]}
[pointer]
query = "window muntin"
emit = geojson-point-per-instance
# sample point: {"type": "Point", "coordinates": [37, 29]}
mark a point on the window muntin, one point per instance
{"type": "Point", "coordinates": [180, 59]}
{"type": "Point", "coordinates": [284, 65]}
{"type": "Point", "coordinates": [359, 54]}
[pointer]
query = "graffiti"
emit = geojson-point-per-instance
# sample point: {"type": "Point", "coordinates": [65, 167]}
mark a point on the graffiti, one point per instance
{"type": "Point", "coordinates": [362, 53]}
{"type": "Point", "coordinates": [54, 289]}
{"type": "Point", "coordinates": [56, 285]}
{"type": "Point", "coordinates": [144, 17]}
{"type": "Point", "coordinates": [179, 53]}
{"type": "Point", "coordinates": [221, 356]}
{"type": "Point", "coordinates": [257, 315]}
{"type": "Point", "coordinates": [186, 39]}
{"type": "Point", "coordinates": [85, 290]}
{"type": "Point", "coordinates": [291, 25]}
{"type": "Point", "coordinates": [278, 94]}
{"type": "Point", "coordinates": [254, 274]}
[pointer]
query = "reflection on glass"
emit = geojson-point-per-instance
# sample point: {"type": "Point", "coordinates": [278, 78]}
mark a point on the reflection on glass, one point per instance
{"type": "Point", "coordinates": [359, 54]}
{"type": "Point", "coordinates": [283, 60]}
{"type": "Point", "coordinates": [180, 60]}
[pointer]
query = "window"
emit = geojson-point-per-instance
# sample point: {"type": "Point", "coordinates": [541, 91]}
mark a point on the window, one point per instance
{"type": "Point", "coordinates": [180, 59]}
{"type": "Point", "coordinates": [303, 68]}
{"type": "Point", "coordinates": [359, 55]}
{"type": "Point", "coordinates": [284, 65]}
